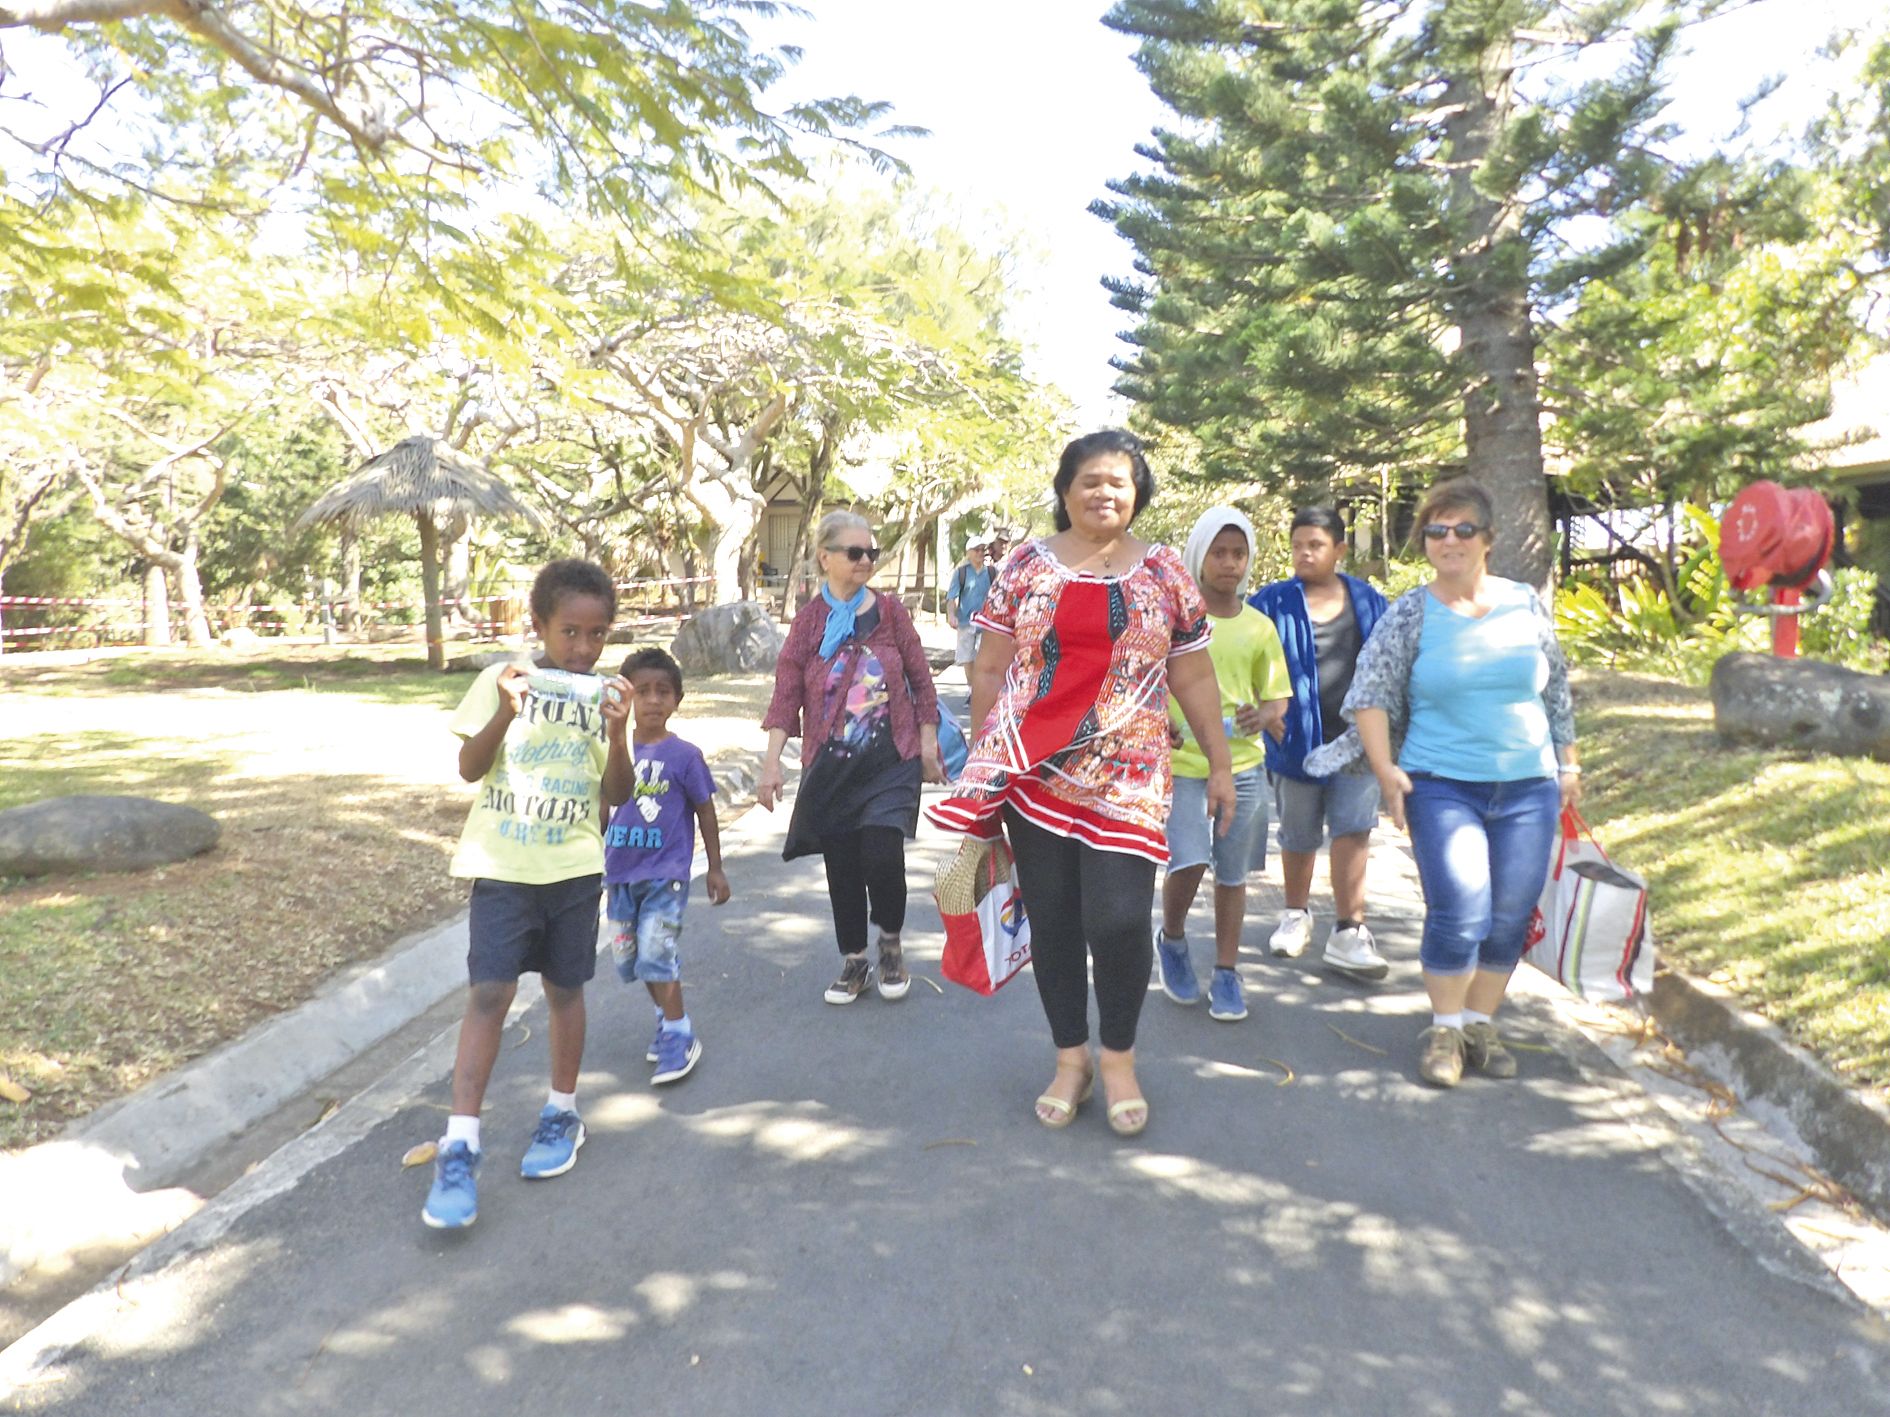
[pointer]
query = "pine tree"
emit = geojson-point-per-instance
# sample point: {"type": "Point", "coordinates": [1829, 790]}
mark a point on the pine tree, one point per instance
{"type": "Point", "coordinates": [1352, 230]}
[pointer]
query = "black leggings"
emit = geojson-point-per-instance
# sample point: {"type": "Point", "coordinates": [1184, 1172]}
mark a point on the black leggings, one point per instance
{"type": "Point", "coordinates": [863, 864]}
{"type": "Point", "coordinates": [1084, 904]}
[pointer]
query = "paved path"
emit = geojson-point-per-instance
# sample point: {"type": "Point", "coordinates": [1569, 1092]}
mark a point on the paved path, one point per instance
{"type": "Point", "coordinates": [852, 1211]}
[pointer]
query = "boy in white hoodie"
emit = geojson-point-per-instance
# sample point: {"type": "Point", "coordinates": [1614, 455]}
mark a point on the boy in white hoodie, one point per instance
{"type": "Point", "coordinates": [1251, 667]}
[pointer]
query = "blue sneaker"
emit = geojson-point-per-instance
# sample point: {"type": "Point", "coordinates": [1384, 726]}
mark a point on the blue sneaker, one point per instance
{"type": "Point", "coordinates": [1225, 1000]}
{"type": "Point", "coordinates": [654, 1053]}
{"type": "Point", "coordinates": [554, 1145]}
{"type": "Point", "coordinates": [453, 1203]}
{"type": "Point", "coordinates": [1175, 969]}
{"type": "Point", "coordinates": [676, 1054]}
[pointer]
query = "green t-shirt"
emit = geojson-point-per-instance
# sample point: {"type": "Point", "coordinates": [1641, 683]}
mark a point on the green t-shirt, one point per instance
{"type": "Point", "coordinates": [535, 820]}
{"type": "Point", "coordinates": [1251, 666]}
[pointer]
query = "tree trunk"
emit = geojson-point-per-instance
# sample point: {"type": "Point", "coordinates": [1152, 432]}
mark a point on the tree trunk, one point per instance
{"type": "Point", "coordinates": [190, 592]}
{"type": "Point", "coordinates": [812, 494]}
{"type": "Point", "coordinates": [351, 581]}
{"type": "Point", "coordinates": [728, 546]}
{"type": "Point", "coordinates": [430, 589]}
{"type": "Point", "coordinates": [157, 607]}
{"type": "Point", "coordinates": [1490, 270]}
{"type": "Point", "coordinates": [456, 564]}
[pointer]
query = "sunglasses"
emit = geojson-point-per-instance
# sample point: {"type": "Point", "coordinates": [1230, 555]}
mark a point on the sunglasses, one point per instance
{"type": "Point", "coordinates": [1465, 531]}
{"type": "Point", "coordinates": [858, 553]}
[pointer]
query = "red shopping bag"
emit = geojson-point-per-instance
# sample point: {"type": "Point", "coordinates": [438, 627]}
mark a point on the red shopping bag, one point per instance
{"type": "Point", "coordinates": [987, 934]}
{"type": "Point", "coordinates": [1590, 928]}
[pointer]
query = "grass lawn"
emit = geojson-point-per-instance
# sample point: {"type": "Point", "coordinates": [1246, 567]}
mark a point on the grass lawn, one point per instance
{"type": "Point", "coordinates": [333, 774]}
{"type": "Point", "coordinates": [1769, 872]}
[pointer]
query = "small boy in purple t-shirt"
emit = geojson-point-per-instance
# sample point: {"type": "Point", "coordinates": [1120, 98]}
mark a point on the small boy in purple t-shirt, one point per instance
{"type": "Point", "coordinates": [648, 849]}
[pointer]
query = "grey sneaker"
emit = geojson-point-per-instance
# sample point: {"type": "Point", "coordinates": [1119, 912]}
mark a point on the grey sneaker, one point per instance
{"type": "Point", "coordinates": [891, 978]}
{"type": "Point", "coordinates": [855, 976]}
{"type": "Point", "coordinates": [1483, 1050]}
{"type": "Point", "coordinates": [1440, 1056]}
{"type": "Point", "coordinates": [1353, 951]}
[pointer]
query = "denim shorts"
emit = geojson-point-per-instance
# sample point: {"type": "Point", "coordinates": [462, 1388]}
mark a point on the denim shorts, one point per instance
{"type": "Point", "coordinates": [646, 929]}
{"type": "Point", "coordinates": [548, 930]}
{"type": "Point", "coordinates": [1191, 839]}
{"type": "Point", "coordinates": [1343, 804]}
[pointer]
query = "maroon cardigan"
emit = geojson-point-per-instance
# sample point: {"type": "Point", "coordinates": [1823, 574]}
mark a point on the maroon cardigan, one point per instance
{"type": "Point", "coordinates": [799, 707]}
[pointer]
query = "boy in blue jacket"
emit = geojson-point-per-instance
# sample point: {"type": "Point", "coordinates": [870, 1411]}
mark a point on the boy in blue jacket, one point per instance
{"type": "Point", "coordinates": [1324, 618]}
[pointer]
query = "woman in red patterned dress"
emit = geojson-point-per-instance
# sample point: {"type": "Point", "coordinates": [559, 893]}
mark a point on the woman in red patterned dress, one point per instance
{"type": "Point", "coordinates": [1087, 632]}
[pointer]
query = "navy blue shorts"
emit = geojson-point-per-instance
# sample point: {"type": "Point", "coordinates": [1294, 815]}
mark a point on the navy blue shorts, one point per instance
{"type": "Point", "coordinates": [548, 930]}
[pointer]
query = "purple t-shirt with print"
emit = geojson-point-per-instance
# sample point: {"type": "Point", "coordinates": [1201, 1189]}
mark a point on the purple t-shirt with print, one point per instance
{"type": "Point", "coordinates": [652, 837]}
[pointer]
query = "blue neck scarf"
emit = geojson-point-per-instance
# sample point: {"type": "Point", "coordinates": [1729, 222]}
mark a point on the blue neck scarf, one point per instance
{"type": "Point", "coordinates": [840, 617]}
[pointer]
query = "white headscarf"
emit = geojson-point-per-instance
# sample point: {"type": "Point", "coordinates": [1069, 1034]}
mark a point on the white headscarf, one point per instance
{"type": "Point", "coordinates": [1213, 522]}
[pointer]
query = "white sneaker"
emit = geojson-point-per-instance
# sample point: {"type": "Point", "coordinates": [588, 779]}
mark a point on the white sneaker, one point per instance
{"type": "Point", "coordinates": [1292, 934]}
{"type": "Point", "coordinates": [1353, 951]}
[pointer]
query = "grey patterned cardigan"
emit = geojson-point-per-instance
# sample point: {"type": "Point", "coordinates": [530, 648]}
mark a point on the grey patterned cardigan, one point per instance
{"type": "Point", "coordinates": [1383, 677]}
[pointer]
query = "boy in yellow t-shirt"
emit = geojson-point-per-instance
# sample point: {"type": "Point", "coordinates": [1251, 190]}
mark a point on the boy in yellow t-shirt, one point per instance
{"type": "Point", "coordinates": [549, 752]}
{"type": "Point", "coordinates": [1251, 667]}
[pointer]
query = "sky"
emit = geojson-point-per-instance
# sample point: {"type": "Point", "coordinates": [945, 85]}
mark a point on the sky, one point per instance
{"type": "Point", "coordinates": [1033, 106]}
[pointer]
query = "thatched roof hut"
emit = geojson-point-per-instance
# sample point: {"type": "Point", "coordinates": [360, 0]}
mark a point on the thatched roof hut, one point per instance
{"type": "Point", "coordinates": [432, 482]}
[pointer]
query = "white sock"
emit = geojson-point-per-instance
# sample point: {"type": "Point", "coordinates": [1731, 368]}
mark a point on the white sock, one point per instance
{"type": "Point", "coordinates": [563, 1101]}
{"type": "Point", "coordinates": [1471, 1016]}
{"type": "Point", "coordinates": [678, 1025]}
{"type": "Point", "coordinates": [1180, 939]}
{"type": "Point", "coordinates": [1447, 1020]}
{"type": "Point", "coordinates": [464, 1129]}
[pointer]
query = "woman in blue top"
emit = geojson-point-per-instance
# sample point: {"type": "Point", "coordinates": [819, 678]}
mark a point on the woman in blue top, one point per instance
{"type": "Point", "coordinates": [1460, 704]}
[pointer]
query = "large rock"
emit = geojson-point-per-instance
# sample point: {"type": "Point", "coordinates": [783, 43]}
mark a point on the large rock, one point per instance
{"type": "Point", "coordinates": [1801, 703]}
{"type": "Point", "coordinates": [729, 639]}
{"type": "Point", "coordinates": [101, 834]}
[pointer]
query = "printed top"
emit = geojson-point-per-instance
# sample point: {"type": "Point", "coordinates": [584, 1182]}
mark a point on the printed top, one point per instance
{"type": "Point", "coordinates": [1078, 739]}
{"type": "Point", "coordinates": [1251, 669]}
{"type": "Point", "coordinates": [1388, 677]}
{"type": "Point", "coordinates": [857, 703]}
{"type": "Point", "coordinates": [535, 820]}
{"type": "Point", "coordinates": [652, 837]}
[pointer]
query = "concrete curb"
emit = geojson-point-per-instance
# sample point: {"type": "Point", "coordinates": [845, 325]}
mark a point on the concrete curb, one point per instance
{"type": "Point", "coordinates": [1848, 1131]}
{"type": "Point", "coordinates": [109, 1174]}
{"type": "Point", "coordinates": [111, 1178]}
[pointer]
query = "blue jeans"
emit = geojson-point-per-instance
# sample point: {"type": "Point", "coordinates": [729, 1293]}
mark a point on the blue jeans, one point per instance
{"type": "Point", "coordinates": [1482, 853]}
{"type": "Point", "coordinates": [646, 929]}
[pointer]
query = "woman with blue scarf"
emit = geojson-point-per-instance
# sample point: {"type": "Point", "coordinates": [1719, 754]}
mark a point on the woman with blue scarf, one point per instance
{"type": "Point", "coordinates": [854, 686]}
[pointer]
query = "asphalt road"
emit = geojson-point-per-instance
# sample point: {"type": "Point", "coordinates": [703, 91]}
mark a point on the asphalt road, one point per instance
{"type": "Point", "coordinates": [853, 1211]}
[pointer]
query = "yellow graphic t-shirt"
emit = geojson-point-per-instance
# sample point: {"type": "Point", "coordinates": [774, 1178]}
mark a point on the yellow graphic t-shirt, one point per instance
{"type": "Point", "coordinates": [535, 820]}
{"type": "Point", "coordinates": [1251, 665]}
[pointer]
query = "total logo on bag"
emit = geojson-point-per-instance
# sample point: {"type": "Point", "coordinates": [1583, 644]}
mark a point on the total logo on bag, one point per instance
{"type": "Point", "coordinates": [1590, 928]}
{"type": "Point", "coordinates": [987, 930]}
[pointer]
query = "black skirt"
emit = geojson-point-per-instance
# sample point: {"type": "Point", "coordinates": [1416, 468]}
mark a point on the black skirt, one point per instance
{"type": "Point", "coordinates": [843, 791]}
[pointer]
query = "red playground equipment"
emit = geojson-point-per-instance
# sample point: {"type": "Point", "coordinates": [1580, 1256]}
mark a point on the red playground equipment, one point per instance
{"type": "Point", "coordinates": [1783, 538]}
